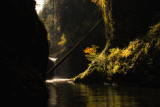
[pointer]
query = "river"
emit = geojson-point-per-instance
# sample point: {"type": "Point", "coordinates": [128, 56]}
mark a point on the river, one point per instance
{"type": "Point", "coordinates": [64, 93]}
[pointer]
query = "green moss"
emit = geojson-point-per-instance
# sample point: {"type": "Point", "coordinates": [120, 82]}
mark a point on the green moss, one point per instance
{"type": "Point", "coordinates": [155, 30]}
{"type": "Point", "coordinates": [135, 58]}
{"type": "Point", "coordinates": [123, 61]}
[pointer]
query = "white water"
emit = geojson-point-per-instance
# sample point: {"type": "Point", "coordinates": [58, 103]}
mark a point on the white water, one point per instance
{"type": "Point", "coordinates": [53, 59]}
{"type": "Point", "coordinates": [58, 80]}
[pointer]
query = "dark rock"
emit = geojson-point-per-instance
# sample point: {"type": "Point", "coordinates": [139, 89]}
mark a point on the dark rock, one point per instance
{"type": "Point", "coordinates": [24, 55]}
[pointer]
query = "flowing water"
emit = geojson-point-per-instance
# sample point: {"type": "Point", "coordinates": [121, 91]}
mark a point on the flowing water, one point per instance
{"type": "Point", "coordinates": [64, 93]}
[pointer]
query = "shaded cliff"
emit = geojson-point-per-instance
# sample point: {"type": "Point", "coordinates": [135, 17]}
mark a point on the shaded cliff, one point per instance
{"type": "Point", "coordinates": [24, 55]}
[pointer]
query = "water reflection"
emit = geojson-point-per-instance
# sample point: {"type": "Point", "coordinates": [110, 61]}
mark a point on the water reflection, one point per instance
{"type": "Point", "coordinates": [67, 94]}
{"type": "Point", "coordinates": [104, 96]}
{"type": "Point", "coordinates": [53, 96]}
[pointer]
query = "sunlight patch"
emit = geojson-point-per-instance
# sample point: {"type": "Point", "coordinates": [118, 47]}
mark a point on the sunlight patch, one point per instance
{"type": "Point", "coordinates": [59, 80]}
{"type": "Point", "coordinates": [39, 5]}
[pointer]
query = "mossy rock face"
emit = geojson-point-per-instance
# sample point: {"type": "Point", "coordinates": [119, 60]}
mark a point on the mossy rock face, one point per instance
{"type": "Point", "coordinates": [131, 52]}
{"type": "Point", "coordinates": [139, 65]}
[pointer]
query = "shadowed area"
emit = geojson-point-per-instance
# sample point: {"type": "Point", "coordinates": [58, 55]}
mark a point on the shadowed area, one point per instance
{"type": "Point", "coordinates": [24, 56]}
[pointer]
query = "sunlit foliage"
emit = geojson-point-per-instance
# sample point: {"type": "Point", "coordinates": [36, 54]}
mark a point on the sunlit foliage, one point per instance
{"type": "Point", "coordinates": [106, 7]}
{"type": "Point", "coordinates": [63, 40]}
{"type": "Point", "coordinates": [125, 60]}
{"type": "Point", "coordinates": [121, 60]}
{"type": "Point", "coordinates": [91, 52]}
{"type": "Point", "coordinates": [132, 46]}
{"type": "Point", "coordinates": [99, 62]}
{"type": "Point", "coordinates": [155, 29]}
{"type": "Point", "coordinates": [100, 2]}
